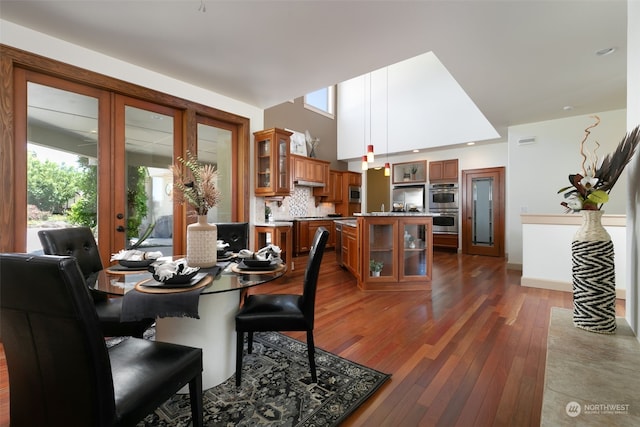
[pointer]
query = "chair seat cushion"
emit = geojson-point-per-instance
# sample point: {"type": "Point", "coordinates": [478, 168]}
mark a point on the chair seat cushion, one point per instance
{"type": "Point", "coordinates": [139, 388]}
{"type": "Point", "coordinates": [271, 312]}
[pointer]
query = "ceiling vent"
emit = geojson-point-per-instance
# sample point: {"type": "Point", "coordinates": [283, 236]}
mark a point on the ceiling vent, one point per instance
{"type": "Point", "coordinates": [527, 141]}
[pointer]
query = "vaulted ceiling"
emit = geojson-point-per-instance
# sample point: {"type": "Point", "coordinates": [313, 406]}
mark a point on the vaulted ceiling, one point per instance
{"type": "Point", "coordinates": [520, 61]}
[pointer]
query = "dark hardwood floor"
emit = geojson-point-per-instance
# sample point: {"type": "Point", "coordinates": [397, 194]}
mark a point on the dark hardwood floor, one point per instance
{"type": "Point", "coordinates": [468, 352]}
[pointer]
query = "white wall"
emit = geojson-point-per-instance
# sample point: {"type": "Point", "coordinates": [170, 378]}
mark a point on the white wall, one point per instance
{"type": "Point", "coordinates": [423, 107]}
{"type": "Point", "coordinates": [633, 170]}
{"type": "Point", "coordinates": [537, 171]}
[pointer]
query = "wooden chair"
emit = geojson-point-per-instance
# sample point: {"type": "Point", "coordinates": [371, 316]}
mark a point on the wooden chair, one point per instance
{"type": "Point", "coordinates": [60, 371]}
{"type": "Point", "coordinates": [283, 312]}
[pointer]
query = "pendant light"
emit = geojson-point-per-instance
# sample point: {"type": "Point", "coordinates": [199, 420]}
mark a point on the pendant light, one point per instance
{"type": "Point", "coordinates": [370, 155]}
{"type": "Point", "coordinates": [365, 164]}
{"type": "Point", "coordinates": [387, 167]}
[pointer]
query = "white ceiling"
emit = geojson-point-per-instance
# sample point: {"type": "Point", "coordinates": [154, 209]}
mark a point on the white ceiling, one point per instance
{"type": "Point", "coordinates": [520, 61]}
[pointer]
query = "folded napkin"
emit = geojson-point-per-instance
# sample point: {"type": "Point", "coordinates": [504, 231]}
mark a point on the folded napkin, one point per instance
{"type": "Point", "coordinates": [141, 305]}
{"type": "Point", "coordinates": [134, 255]}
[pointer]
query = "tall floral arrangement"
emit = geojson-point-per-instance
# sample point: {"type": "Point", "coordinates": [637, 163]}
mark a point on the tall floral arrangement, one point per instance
{"type": "Point", "coordinates": [589, 190]}
{"type": "Point", "coordinates": [195, 183]}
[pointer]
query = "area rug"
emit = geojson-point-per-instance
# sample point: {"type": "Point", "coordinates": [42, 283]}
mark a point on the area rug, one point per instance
{"type": "Point", "coordinates": [277, 390]}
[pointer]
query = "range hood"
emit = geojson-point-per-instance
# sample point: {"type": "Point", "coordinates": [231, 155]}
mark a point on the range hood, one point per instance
{"type": "Point", "coordinates": [304, 183]}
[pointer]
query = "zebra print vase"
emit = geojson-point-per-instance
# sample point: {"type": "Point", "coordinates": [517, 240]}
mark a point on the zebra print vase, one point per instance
{"type": "Point", "coordinates": [593, 274]}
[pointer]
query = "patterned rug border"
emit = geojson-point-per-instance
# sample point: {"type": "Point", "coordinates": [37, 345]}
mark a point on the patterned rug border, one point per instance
{"type": "Point", "coordinates": [299, 402]}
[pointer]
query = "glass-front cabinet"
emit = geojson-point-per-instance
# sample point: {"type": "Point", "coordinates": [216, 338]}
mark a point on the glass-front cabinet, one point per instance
{"type": "Point", "coordinates": [397, 252]}
{"type": "Point", "coordinates": [273, 175]}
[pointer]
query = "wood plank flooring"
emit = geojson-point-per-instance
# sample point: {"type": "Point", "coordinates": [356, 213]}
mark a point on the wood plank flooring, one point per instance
{"type": "Point", "coordinates": [469, 351]}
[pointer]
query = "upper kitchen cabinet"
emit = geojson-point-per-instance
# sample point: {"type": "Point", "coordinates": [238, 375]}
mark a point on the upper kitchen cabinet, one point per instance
{"type": "Point", "coordinates": [273, 175]}
{"type": "Point", "coordinates": [410, 172]}
{"type": "Point", "coordinates": [308, 171]}
{"type": "Point", "coordinates": [443, 171]}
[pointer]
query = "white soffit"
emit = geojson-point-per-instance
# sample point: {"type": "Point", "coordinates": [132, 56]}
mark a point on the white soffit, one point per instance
{"type": "Point", "coordinates": [427, 109]}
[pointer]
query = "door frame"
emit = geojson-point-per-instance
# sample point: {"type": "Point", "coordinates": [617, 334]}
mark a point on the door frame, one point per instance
{"type": "Point", "coordinates": [498, 213]}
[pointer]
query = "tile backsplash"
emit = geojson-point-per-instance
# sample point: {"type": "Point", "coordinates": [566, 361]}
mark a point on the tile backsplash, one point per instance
{"type": "Point", "coordinates": [300, 203]}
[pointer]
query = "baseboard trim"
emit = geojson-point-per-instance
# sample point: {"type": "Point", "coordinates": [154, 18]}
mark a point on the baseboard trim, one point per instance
{"type": "Point", "coordinates": [559, 286]}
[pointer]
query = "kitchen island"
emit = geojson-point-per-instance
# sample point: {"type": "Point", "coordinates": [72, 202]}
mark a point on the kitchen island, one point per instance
{"type": "Point", "coordinates": [399, 245]}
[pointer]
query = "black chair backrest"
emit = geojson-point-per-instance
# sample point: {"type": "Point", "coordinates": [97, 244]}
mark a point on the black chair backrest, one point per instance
{"type": "Point", "coordinates": [236, 234]}
{"type": "Point", "coordinates": [77, 242]}
{"type": "Point", "coordinates": [312, 272]}
{"type": "Point", "coordinates": [58, 363]}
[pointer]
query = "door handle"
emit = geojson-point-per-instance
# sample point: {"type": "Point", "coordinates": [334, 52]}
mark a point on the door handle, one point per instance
{"type": "Point", "coordinates": [120, 229]}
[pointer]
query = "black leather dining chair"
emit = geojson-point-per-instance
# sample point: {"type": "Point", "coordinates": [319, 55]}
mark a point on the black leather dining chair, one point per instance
{"type": "Point", "coordinates": [283, 312]}
{"type": "Point", "coordinates": [80, 243]}
{"type": "Point", "coordinates": [236, 234]}
{"type": "Point", "coordinates": [60, 370]}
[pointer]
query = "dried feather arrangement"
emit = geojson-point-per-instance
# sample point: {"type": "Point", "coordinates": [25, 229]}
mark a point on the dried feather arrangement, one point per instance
{"type": "Point", "coordinates": [590, 190]}
{"type": "Point", "coordinates": [196, 183]}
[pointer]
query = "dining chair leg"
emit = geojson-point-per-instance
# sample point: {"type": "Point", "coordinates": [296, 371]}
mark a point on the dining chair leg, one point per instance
{"type": "Point", "coordinates": [249, 342]}
{"type": "Point", "coordinates": [311, 350]}
{"type": "Point", "coordinates": [239, 351]}
{"type": "Point", "coordinates": [195, 397]}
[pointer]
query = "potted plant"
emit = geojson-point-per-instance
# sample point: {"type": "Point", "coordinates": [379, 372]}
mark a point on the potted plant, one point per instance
{"type": "Point", "coordinates": [414, 170]}
{"type": "Point", "coordinates": [375, 267]}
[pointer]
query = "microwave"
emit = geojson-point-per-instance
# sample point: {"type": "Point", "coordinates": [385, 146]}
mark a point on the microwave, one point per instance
{"type": "Point", "coordinates": [354, 194]}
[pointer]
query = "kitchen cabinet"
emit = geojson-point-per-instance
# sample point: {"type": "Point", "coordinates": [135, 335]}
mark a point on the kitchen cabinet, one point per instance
{"type": "Point", "coordinates": [273, 174]}
{"type": "Point", "coordinates": [306, 169]}
{"type": "Point", "coordinates": [443, 171]}
{"type": "Point", "coordinates": [279, 235]}
{"type": "Point", "coordinates": [305, 230]}
{"type": "Point", "coordinates": [403, 244]}
{"type": "Point", "coordinates": [410, 172]}
{"type": "Point", "coordinates": [344, 207]}
{"type": "Point", "coordinates": [352, 178]}
{"type": "Point", "coordinates": [333, 191]}
{"type": "Point", "coordinates": [447, 241]}
{"type": "Point", "coordinates": [351, 250]}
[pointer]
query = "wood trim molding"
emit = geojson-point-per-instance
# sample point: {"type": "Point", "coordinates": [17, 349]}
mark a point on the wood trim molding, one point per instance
{"type": "Point", "coordinates": [12, 59]}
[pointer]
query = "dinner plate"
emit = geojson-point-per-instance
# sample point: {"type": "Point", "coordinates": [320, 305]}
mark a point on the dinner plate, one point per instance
{"type": "Point", "coordinates": [272, 266]}
{"type": "Point", "coordinates": [138, 265]}
{"type": "Point", "coordinates": [225, 257]}
{"type": "Point", "coordinates": [152, 283]}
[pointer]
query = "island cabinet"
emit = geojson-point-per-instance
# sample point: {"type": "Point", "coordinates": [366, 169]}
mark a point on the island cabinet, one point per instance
{"type": "Point", "coordinates": [351, 250]}
{"type": "Point", "coordinates": [273, 174]}
{"type": "Point", "coordinates": [404, 247]}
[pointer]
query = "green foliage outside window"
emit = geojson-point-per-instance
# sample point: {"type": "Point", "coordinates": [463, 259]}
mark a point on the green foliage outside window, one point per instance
{"type": "Point", "coordinates": [51, 186]}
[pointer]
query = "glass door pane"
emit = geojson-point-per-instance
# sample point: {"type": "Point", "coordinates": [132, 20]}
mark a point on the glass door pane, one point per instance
{"type": "Point", "coordinates": [482, 223]}
{"type": "Point", "coordinates": [381, 250]}
{"type": "Point", "coordinates": [148, 137]}
{"type": "Point", "coordinates": [62, 160]}
{"type": "Point", "coordinates": [414, 253]}
{"type": "Point", "coordinates": [215, 147]}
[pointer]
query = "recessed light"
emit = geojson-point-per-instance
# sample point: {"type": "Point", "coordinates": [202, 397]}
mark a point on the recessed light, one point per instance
{"type": "Point", "coordinates": [606, 51]}
{"type": "Point", "coordinates": [416, 151]}
{"type": "Point", "coordinates": [567, 107]}
{"type": "Point", "coordinates": [471, 143]}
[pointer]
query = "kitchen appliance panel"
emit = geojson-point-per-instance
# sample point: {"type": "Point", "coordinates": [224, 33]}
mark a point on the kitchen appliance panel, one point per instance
{"type": "Point", "coordinates": [443, 196]}
{"type": "Point", "coordinates": [445, 221]}
{"type": "Point", "coordinates": [410, 197]}
{"type": "Point", "coordinates": [354, 194]}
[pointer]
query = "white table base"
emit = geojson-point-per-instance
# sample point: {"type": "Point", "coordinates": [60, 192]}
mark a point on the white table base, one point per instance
{"type": "Point", "coordinates": [214, 333]}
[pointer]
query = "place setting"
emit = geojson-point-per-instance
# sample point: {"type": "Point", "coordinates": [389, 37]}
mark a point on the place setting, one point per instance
{"type": "Point", "coordinates": [132, 261]}
{"type": "Point", "coordinates": [265, 260]}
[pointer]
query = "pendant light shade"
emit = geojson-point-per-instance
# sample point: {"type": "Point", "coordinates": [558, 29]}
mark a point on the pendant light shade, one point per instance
{"type": "Point", "coordinates": [387, 169]}
{"type": "Point", "coordinates": [370, 157]}
{"type": "Point", "coordinates": [365, 165]}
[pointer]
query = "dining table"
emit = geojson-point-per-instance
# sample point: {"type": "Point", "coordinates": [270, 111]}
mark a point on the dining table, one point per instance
{"type": "Point", "coordinates": [214, 330]}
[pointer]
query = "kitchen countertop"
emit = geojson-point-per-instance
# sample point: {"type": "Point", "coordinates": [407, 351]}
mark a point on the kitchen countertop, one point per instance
{"type": "Point", "coordinates": [274, 224]}
{"type": "Point", "coordinates": [346, 221]}
{"type": "Point", "coordinates": [397, 214]}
